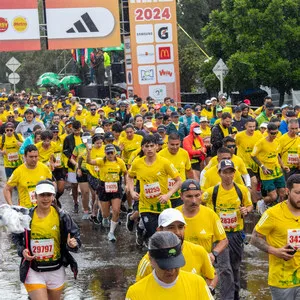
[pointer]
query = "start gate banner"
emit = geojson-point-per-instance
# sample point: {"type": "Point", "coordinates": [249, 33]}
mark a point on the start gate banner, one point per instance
{"type": "Point", "coordinates": [153, 49]}
{"type": "Point", "coordinates": [19, 25]}
{"type": "Point", "coordinates": [82, 24]}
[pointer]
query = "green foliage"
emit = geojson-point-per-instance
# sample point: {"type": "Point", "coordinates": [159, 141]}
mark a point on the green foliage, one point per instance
{"type": "Point", "coordinates": [258, 41]}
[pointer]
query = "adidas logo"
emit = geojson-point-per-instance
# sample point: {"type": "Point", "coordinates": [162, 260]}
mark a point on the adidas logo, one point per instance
{"type": "Point", "coordinates": [203, 231]}
{"type": "Point", "coordinates": [54, 227]}
{"type": "Point", "coordinates": [194, 271]}
{"type": "Point", "coordinates": [80, 26]}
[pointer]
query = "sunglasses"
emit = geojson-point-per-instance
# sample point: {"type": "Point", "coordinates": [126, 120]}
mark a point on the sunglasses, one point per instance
{"type": "Point", "coordinates": [110, 153]}
{"type": "Point", "coordinates": [274, 132]}
{"type": "Point", "coordinates": [231, 146]}
{"type": "Point", "coordinates": [55, 131]}
{"type": "Point", "coordinates": [9, 130]}
{"type": "Point", "coordinates": [93, 109]}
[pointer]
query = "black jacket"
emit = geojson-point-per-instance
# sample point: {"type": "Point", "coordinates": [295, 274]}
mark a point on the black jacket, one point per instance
{"type": "Point", "coordinates": [217, 137]}
{"type": "Point", "coordinates": [123, 119]}
{"type": "Point", "coordinates": [67, 225]}
{"type": "Point", "coordinates": [69, 145]}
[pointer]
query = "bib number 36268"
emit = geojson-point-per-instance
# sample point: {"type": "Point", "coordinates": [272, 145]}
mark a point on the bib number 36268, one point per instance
{"type": "Point", "coordinates": [228, 220]}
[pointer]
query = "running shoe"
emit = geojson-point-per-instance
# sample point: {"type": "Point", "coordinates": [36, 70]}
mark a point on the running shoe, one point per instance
{"type": "Point", "coordinates": [76, 208]}
{"type": "Point", "coordinates": [94, 220]}
{"type": "Point", "coordinates": [99, 216]}
{"type": "Point", "coordinates": [105, 222]}
{"type": "Point", "coordinates": [111, 237]}
{"type": "Point", "coordinates": [129, 222]}
{"type": "Point", "coordinates": [85, 216]}
{"type": "Point", "coordinates": [261, 206]}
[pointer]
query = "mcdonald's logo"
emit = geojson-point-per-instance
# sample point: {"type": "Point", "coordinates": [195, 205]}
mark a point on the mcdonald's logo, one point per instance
{"type": "Point", "coordinates": [164, 53]}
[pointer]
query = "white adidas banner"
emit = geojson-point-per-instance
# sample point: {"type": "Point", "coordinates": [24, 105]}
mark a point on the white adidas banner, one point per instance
{"type": "Point", "coordinates": [74, 23]}
{"type": "Point", "coordinates": [19, 24]}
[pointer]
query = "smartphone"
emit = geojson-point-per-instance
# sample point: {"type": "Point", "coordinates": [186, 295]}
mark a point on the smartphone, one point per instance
{"type": "Point", "coordinates": [292, 252]}
{"type": "Point", "coordinates": [89, 143]}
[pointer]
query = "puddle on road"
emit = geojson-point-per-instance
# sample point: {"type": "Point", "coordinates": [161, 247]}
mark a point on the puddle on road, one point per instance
{"type": "Point", "coordinates": [106, 270]}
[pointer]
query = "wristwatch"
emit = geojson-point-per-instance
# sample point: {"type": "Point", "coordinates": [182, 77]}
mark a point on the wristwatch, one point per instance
{"type": "Point", "coordinates": [215, 253]}
{"type": "Point", "coordinates": [212, 290]}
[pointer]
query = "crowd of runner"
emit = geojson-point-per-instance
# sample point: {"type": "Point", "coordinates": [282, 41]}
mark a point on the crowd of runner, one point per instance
{"type": "Point", "coordinates": [186, 177]}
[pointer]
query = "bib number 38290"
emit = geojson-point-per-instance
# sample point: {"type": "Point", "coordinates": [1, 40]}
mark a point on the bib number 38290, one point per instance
{"type": "Point", "coordinates": [152, 190]}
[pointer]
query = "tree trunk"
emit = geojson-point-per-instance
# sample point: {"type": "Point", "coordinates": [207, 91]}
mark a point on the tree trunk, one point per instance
{"type": "Point", "coordinates": [281, 97]}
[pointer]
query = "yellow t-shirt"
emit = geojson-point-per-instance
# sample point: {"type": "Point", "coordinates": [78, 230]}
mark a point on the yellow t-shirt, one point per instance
{"type": "Point", "coordinates": [78, 140]}
{"type": "Point", "coordinates": [203, 229]}
{"type": "Point", "coordinates": [92, 121]}
{"type": "Point", "coordinates": [26, 179]}
{"type": "Point", "coordinates": [187, 287]}
{"type": "Point", "coordinates": [205, 132]}
{"type": "Point", "coordinates": [267, 153]}
{"type": "Point", "coordinates": [108, 110]}
{"type": "Point", "coordinates": [45, 154]}
{"type": "Point", "coordinates": [11, 159]}
{"type": "Point", "coordinates": [153, 182]}
{"type": "Point", "coordinates": [110, 171]}
{"type": "Point", "coordinates": [238, 164]}
{"type": "Point", "coordinates": [245, 145]}
{"type": "Point", "coordinates": [212, 178]}
{"type": "Point", "coordinates": [130, 145]}
{"type": "Point", "coordinates": [182, 163]}
{"type": "Point", "coordinates": [58, 153]}
{"type": "Point", "coordinates": [133, 155]}
{"type": "Point", "coordinates": [82, 119]}
{"type": "Point", "coordinates": [96, 153]}
{"type": "Point", "coordinates": [207, 113]}
{"type": "Point", "coordinates": [265, 134]}
{"type": "Point", "coordinates": [289, 150]}
{"type": "Point", "coordinates": [135, 110]}
{"type": "Point", "coordinates": [281, 227]}
{"type": "Point", "coordinates": [197, 261]}
{"type": "Point", "coordinates": [22, 111]}
{"type": "Point", "coordinates": [228, 206]}
{"type": "Point", "coordinates": [45, 236]}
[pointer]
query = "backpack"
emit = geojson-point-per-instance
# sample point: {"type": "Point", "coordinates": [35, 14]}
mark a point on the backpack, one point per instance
{"type": "Point", "coordinates": [215, 194]}
{"type": "Point", "coordinates": [3, 139]}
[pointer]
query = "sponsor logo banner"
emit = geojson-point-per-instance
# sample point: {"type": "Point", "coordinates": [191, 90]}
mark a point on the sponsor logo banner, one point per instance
{"type": "Point", "coordinates": [82, 24]}
{"type": "Point", "coordinates": [154, 48]}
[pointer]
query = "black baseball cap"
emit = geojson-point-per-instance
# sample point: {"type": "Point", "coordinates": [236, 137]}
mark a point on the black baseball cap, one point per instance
{"type": "Point", "coordinates": [190, 185]}
{"type": "Point", "coordinates": [225, 164]}
{"type": "Point", "coordinates": [109, 136]}
{"type": "Point", "coordinates": [54, 128]}
{"type": "Point", "coordinates": [161, 128]}
{"type": "Point", "coordinates": [159, 116]}
{"type": "Point", "coordinates": [174, 114]}
{"type": "Point", "coordinates": [290, 113]}
{"type": "Point", "coordinates": [109, 148]}
{"type": "Point", "coordinates": [270, 105]}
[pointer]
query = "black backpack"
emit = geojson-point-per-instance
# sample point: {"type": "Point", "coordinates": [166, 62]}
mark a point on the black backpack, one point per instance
{"type": "Point", "coordinates": [215, 194]}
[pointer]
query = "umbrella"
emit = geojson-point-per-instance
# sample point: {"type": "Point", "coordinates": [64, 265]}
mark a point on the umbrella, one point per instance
{"type": "Point", "coordinates": [50, 74]}
{"type": "Point", "coordinates": [119, 48]}
{"type": "Point", "coordinates": [47, 81]}
{"type": "Point", "coordinates": [69, 80]}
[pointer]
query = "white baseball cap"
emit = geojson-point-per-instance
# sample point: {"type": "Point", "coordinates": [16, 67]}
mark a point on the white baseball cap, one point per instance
{"type": "Point", "coordinates": [263, 125]}
{"type": "Point", "coordinates": [203, 119]}
{"type": "Point", "coordinates": [197, 130]}
{"type": "Point", "coordinates": [208, 102]}
{"type": "Point", "coordinates": [168, 216]}
{"type": "Point", "coordinates": [148, 124]}
{"type": "Point", "coordinates": [88, 101]}
{"type": "Point", "coordinates": [99, 130]}
{"type": "Point", "coordinates": [45, 188]}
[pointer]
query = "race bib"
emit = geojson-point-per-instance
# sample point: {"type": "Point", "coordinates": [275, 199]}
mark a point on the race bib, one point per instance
{"type": "Point", "coordinates": [293, 238]}
{"type": "Point", "coordinates": [111, 187]}
{"type": "Point", "coordinates": [152, 190]}
{"type": "Point", "coordinates": [228, 220]}
{"type": "Point", "coordinates": [42, 249]}
{"type": "Point", "coordinates": [171, 183]}
{"type": "Point", "coordinates": [32, 197]}
{"type": "Point", "coordinates": [293, 158]}
{"type": "Point", "coordinates": [13, 156]}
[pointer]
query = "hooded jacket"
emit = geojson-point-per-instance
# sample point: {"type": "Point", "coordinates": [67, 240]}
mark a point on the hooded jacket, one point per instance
{"type": "Point", "coordinates": [188, 143]}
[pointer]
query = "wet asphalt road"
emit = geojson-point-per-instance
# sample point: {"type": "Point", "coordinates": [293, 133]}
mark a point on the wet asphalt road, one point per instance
{"type": "Point", "coordinates": [107, 269]}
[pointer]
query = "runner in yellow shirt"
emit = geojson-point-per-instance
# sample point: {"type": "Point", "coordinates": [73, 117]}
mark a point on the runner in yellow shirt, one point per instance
{"type": "Point", "coordinates": [232, 202]}
{"type": "Point", "coordinates": [277, 233]}
{"type": "Point", "coordinates": [245, 141]}
{"type": "Point", "coordinates": [152, 171]}
{"type": "Point", "coordinates": [290, 148]}
{"type": "Point", "coordinates": [266, 156]}
{"type": "Point", "coordinates": [136, 108]}
{"type": "Point", "coordinates": [196, 257]}
{"type": "Point", "coordinates": [181, 160]}
{"type": "Point", "coordinates": [10, 144]}
{"type": "Point", "coordinates": [167, 281]}
{"type": "Point", "coordinates": [25, 178]}
{"type": "Point", "coordinates": [130, 142]}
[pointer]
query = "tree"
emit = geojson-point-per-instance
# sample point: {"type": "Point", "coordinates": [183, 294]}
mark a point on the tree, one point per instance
{"type": "Point", "coordinates": [258, 40]}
